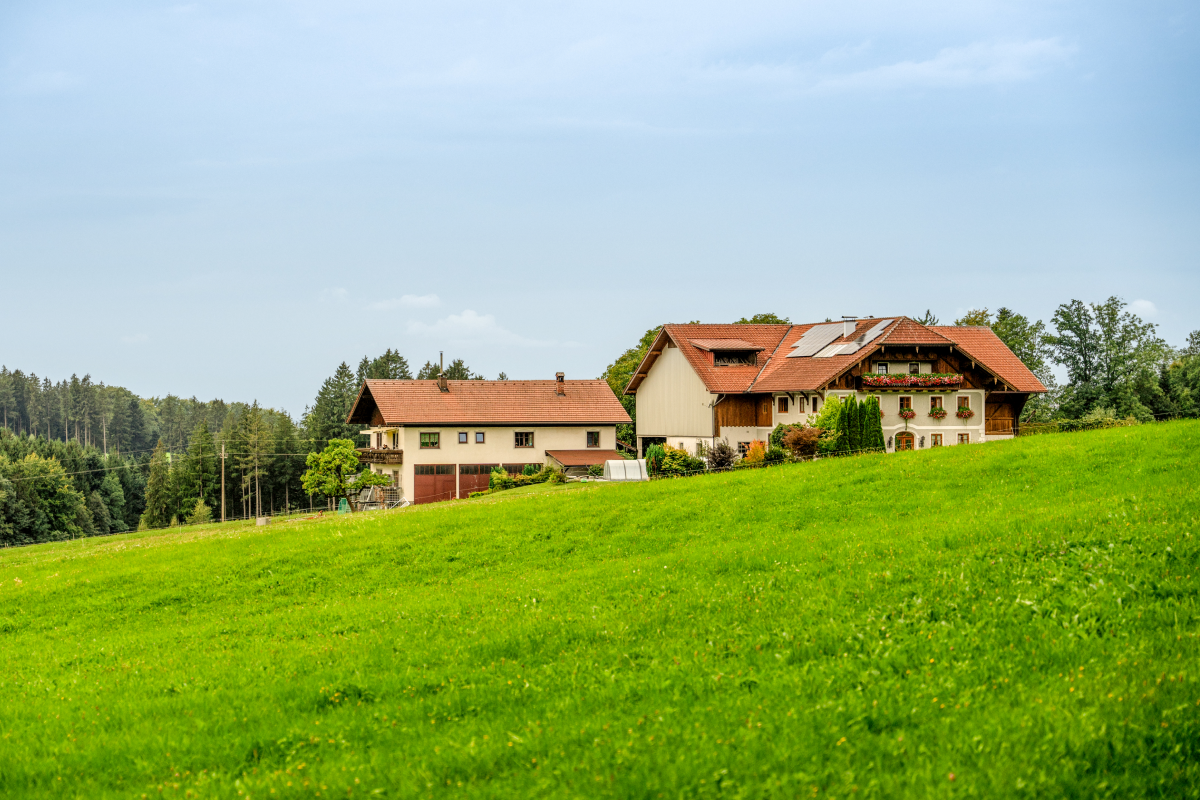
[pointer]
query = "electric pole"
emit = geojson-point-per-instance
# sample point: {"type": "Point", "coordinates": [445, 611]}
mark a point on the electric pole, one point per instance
{"type": "Point", "coordinates": [222, 481]}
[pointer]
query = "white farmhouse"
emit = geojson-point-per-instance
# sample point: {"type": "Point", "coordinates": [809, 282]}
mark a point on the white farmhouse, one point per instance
{"type": "Point", "coordinates": [440, 439]}
{"type": "Point", "coordinates": [937, 385]}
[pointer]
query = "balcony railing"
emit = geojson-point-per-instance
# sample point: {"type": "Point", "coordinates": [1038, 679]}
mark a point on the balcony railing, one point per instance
{"type": "Point", "coordinates": [930, 380]}
{"type": "Point", "coordinates": [372, 455]}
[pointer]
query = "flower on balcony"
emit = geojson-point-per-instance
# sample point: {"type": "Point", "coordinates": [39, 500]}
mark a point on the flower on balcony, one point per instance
{"type": "Point", "coordinates": [929, 379]}
{"type": "Point", "coordinates": [937, 412]}
{"type": "Point", "coordinates": [964, 413]}
{"type": "Point", "coordinates": [907, 414]}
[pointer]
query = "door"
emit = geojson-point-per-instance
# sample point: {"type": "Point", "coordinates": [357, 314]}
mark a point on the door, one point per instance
{"type": "Point", "coordinates": [473, 478]}
{"type": "Point", "coordinates": [433, 483]}
{"type": "Point", "coordinates": [904, 441]}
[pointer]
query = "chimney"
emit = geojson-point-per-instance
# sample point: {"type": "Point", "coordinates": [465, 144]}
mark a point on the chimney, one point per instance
{"type": "Point", "coordinates": [442, 385]}
{"type": "Point", "coordinates": [848, 325]}
{"type": "Point", "coordinates": [560, 384]}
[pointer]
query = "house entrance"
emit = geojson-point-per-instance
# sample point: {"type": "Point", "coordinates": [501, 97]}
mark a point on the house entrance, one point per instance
{"type": "Point", "coordinates": [904, 441]}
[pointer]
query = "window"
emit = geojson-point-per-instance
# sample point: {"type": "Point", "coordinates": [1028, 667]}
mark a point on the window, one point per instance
{"type": "Point", "coordinates": [743, 447]}
{"type": "Point", "coordinates": [816, 404]}
{"type": "Point", "coordinates": [964, 438]}
{"type": "Point", "coordinates": [964, 401]}
{"type": "Point", "coordinates": [914, 368]}
{"type": "Point", "coordinates": [783, 405]}
{"type": "Point", "coordinates": [395, 477]}
{"type": "Point", "coordinates": [735, 358]}
{"type": "Point", "coordinates": [881, 368]}
{"type": "Point", "coordinates": [935, 440]}
{"type": "Point", "coordinates": [423, 469]}
{"type": "Point", "coordinates": [517, 469]}
{"type": "Point", "coordinates": [478, 437]}
{"type": "Point", "coordinates": [443, 469]}
{"type": "Point", "coordinates": [593, 438]}
{"type": "Point", "coordinates": [523, 439]}
{"type": "Point", "coordinates": [905, 402]}
{"type": "Point", "coordinates": [462, 437]}
{"type": "Point", "coordinates": [430, 441]}
{"type": "Point", "coordinates": [395, 440]}
{"type": "Point", "coordinates": [935, 402]}
{"type": "Point", "coordinates": [378, 440]}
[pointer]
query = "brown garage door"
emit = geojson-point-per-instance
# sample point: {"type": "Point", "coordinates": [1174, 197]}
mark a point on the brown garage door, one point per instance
{"type": "Point", "coordinates": [433, 482]}
{"type": "Point", "coordinates": [473, 478]}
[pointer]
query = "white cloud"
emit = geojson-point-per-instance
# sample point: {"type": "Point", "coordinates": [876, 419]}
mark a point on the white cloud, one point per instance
{"type": "Point", "coordinates": [1143, 308]}
{"type": "Point", "coordinates": [974, 64]}
{"type": "Point", "coordinates": [408, 301]}
{"type": "Point", "coordinates": [470, 326]}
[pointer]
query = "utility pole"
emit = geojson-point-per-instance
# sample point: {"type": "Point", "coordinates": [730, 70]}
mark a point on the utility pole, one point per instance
{"type": "Point", "coordinates": [222, 481]}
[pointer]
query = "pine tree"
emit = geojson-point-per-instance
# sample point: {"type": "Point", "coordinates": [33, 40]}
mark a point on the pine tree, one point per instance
{"type": "Point", "coordinates": [201, 478]}
{"type": "Point", "coordinates": [327, 418]}
{"type": "Point", "coordinates": [158, 490]}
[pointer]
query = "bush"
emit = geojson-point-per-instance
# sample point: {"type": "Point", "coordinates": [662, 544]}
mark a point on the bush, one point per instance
{"type": "Point", "coordinates": [721, 455]}
{"type": "Point", "coordinates": [473, 495]}
{"type": "Point", "coordinates": [531, 469]}
{"type": "Point", "coordinates": [679, 462]}
{"type": "Point", "coordinates": [756, 453]}
{"type": "Point", "coordinates": [802, 441]}
{"type": "Point", "coordinates": [596, 470]}
{"type": "Point", "coordinates": [781, 431]}
{"type": "Point", "coordinates": [500, 479]}
{"type": "Point", "coordinates": [201, 514]}
{"type": "Point", "coordinates": [554, 476]}
{"type": "Point", "coordinates": [655, 454]}
{"type": "Point", "coordinates": [776, 455]}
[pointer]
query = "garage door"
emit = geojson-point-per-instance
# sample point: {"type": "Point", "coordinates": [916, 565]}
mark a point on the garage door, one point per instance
{"type": "Point", "coordinates": [433, 482]}
{"type": "Point", "coordinates": [473, 478]}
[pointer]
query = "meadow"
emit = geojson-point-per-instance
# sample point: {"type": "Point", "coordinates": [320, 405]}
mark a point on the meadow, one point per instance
{"type": "Point", "coordinates": [1015, 619]}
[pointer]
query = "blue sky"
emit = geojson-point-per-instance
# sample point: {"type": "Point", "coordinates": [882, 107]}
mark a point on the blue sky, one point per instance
{"type": "Point", "coordinates": [226, 199]}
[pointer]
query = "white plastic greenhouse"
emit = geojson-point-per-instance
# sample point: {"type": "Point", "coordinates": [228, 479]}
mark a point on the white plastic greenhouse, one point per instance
{"type": "Point", "coordinates": [626, 470]}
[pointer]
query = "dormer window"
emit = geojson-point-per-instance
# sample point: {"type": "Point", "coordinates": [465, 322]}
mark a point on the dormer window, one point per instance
{"type": "Point", "coordinates": [735, 358]}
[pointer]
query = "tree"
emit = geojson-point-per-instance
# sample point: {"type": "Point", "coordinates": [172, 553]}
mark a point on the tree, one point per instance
{"type": "Point", "coordinates": [764, 319]}
{"type": "Point", "coordinates": [201, 514]}
{"type": "Point", "coordinates": [502, 377]}
{"type": "Point", "coordinates": [158, 490]}
{"type": "Point", "coordinates": [256, 444]}
{"type": "Point", "coordinates": [114, 500]}
{"type": "Point", "coordinates": [389, 366]}
{"type": "Point", "coordinates": [456, 370]}
{"type": "Point", "coordinates": [1105, 350]}
{"type": "Point", "coordinates": [38, 502]}
{"type": "Point", "coordinates": [331, 472]}
{"type": "Point", "coordinates": [976, 316]}
{"type": "Point", "coordinates": [618, 375]}
{"type": "Point", "coordinates": [199, 472]}
{"type": "Point", "coordinates": [927, 318]}
{"type": "Point", "coordinates": [327, 418]}
{"type": "Point", "coordinates": [101, 520]}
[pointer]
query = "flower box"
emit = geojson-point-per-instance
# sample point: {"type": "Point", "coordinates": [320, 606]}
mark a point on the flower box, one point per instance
{"type": "Point", "coordinates": [964, 413]}
{"type": "Point", "coordinates": [907, 413]}
{"type": "Point", "coordinates": [929, 380]}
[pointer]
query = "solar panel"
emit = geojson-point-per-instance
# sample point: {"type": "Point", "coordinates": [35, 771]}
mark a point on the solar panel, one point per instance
{"type": "Point", "coordinates": [834, 350]}
{"type": "Point", "coordinates": [814, 339]}
{"type": "Point", "coordinates": [868, 337]}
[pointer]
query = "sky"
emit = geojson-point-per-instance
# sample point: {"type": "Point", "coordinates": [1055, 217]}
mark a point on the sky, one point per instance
{"type": "Point", "coordinates": [227, 199]}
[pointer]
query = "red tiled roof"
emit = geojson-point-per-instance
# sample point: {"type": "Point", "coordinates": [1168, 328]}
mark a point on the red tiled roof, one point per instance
{"type": "Point", "coordinates": [584, 458]}
{"type": "Point", "coordinates": [983, 345]}
{"type": "Point", "coordinates": [775, 372]}
{"type": "Point", "coordinates": [488, 403]}
{"type": "Point", "coordinates": [725, 344]}
{"type": "Point", "coordinates": [717, 379]}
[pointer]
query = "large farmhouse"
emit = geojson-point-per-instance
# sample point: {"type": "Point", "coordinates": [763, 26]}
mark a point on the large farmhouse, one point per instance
{"type": "Point", "coordinates": [440, 439]}
{"type": "Point", "coordinates": [937, 385]}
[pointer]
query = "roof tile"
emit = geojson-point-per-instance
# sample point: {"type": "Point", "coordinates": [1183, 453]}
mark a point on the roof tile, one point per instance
{"type": "Point", "coordinates": [585, 402]}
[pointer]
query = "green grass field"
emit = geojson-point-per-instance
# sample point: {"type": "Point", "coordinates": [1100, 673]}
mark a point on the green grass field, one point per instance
{"type": "Point", "coordinates": [1015, 619]}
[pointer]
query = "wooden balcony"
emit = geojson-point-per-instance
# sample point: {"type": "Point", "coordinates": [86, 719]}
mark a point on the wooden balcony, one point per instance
{"type": "Point", "coordinates": [999, 427]}
{"type": "Point", "coordinates": [371, 455]}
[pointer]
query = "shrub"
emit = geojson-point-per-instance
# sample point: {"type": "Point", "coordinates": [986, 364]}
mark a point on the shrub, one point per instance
{"type": "Point", "coordinates": [473, 495]}
{"type": "Point", "coordinates": [554, 476]}
{"type": "Point", "coordinates": [679, 462]}
{"type": "Point", "coordinates": [802, 441]}
{"type": "Point", "coordinates": [781, 431]}
{"type": "Point", "coordinates": [500, 479]}
{"type": "Point", "coordinates": [776, 455]}
{"type": "Point", "coordinates": [756, 452]}
{"type": "Point", "coordinates": [721, 455]}
{"type": "Point", "coordinates": [201, 514]}
{"type": "Point", "coordinates": [655, 454]}
{"type": "Point", "coordinates": [596, 470]}
{"type": "Point", "coordinates": [531, 469]}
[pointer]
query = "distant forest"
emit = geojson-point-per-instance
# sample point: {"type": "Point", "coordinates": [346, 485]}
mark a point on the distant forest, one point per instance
{"type": "Point", "coordinates": [81, 458]}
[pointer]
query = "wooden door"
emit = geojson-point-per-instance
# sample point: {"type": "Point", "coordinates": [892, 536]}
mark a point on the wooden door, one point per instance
{"type": "Point", "coordinates": [998, 418]}
{"type": "Point", "coordinates": [904, 441]}
{"type": "Point", "coordinates": [433, 483]}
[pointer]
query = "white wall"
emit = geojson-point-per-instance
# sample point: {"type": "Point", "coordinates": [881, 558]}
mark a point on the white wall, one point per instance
{"type": "Point", "coordinates": [923, 424]}
{"type": "Point", "coordinates": [672, 401]}
{"type": "Point", "coordinates": [498, 446]}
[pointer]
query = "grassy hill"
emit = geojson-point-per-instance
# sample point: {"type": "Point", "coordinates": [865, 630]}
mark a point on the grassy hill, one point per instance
{"type": "Point", "coordinates": [1012, 619]}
